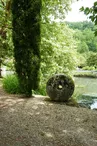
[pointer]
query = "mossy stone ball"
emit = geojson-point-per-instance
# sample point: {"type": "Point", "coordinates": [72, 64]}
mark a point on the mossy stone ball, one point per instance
{"type": "Point", "coordinates": [60, 87]}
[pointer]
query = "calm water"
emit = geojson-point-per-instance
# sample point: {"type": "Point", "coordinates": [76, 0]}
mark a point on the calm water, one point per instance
{"type": "Point", "coordinates": [86, 85]}
{"type": "Point", "coordinates": [87, 89]}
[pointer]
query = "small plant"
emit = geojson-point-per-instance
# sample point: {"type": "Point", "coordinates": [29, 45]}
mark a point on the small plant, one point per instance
{"type": "Point", "coordinates": [40, 91]}
{"type": "Point", "coordinates": [11, 84]}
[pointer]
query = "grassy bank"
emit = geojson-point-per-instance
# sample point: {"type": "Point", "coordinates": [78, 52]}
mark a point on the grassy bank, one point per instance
{"type": "Point", "coordinates": [86, 74]}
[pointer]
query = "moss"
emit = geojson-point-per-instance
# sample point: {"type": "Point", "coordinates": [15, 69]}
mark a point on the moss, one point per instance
{"type": "Point", "coordinates": [60, 87]}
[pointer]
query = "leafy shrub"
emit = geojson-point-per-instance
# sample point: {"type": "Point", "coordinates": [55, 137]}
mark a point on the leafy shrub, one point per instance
{"type": "Point", "coordinates": [41, 90]}
{"type": "Point", "coordinates": [89, 68]}
{"type": "Point", "coordinates": [82, 60]}
{"type": "Point", "coordinates": [53, 47]}
{"type": "Point", "coordinates": [9, 64]}
{"type": "Point", "coordinates": [92, 60]}
{"type": "Point", "coordinates": [11, 84]}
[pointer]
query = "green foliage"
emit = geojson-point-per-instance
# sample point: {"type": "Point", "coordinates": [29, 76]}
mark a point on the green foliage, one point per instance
{"type": "Point", "coordinates": [84, 34]}
{"type": "Point", "coordinates": [54, 9]}
{"type": "Point", "coordinates": [26, 39]}
{"type": "Point", "coordinates": [92, 60]}
{"type": "Point", "coordinates": [92, 12]}
{"type": "Point", "coordinates": [55, 40]}
{"type": "Point", "coordinates": [41, 90]}
{"type": "Point", "coordinates": [86, 40]}
{"type": "Point", "coordinates": [82, 60]}
{"type": "Point", "coordinates": [58, 50]}
{"type": "Point", "coordinates": [81, 25]}
{"type": "Point", "coordinates": [86, 74]}
{"type": "Point", "coordinates": [9, 64]}
{"type": "Point", "coordinates": [82, 47]}
{"type": "Point", "coordinates": [89, 68]}
{"type": "Point", "coordinates": [6, 45]}
{"type": "Point", "coordinates": [11, 84]}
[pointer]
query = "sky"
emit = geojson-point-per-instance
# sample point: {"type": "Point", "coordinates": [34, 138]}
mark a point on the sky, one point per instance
{"type": "Point", "coordinates": [75, 14]}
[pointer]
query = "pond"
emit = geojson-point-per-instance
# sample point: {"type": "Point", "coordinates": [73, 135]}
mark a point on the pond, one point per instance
{"type": "Point", "coordinates": [86, 91]}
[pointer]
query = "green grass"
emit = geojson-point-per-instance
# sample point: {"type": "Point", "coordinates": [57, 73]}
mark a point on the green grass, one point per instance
{"type": "Point", "coordinates": [85, 74]}
{"type": "Point", "coordinates": [40, 91]}
{"type": "Point", "coordinates": [11, 84]}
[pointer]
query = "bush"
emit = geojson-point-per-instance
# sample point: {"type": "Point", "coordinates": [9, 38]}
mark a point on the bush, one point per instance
{"type": "Point", "coordinates": [42, 90]}
{"type": "Point", "coordinates": [92, 60]}
{"type": "Point", "coordinates": [88, 68]}
{"type": "Point", "coordinates": [11, 84]}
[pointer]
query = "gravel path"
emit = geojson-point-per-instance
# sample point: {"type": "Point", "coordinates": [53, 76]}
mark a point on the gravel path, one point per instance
{"type": "Point", "coordinates": [36, 122]}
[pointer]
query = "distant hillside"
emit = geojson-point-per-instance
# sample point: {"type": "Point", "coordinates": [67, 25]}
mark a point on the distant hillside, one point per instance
{"type": "Point", "coordinates": [81, 25]}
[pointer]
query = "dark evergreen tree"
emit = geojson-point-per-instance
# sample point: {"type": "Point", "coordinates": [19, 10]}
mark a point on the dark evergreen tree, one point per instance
{"type": "Point", "coordinates": [26, 40]}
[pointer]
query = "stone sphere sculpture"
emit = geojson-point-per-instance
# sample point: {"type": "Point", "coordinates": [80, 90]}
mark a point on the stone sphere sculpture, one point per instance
{"type": "Point", "coordinates": [60, 87]}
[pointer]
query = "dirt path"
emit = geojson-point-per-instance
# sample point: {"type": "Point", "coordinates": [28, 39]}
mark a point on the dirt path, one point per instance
{"type": "Point", "coordinates": [36, 122]}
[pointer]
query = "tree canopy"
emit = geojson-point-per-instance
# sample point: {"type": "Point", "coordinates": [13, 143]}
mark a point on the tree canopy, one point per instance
{"type": "Point", "coordinates": [92, 13]}
{"type": "Point", "coordinates": [56, 9]}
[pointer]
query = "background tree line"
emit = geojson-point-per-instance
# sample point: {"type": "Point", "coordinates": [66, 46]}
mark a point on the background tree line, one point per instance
{"type": "Point", "coordinates": [86, 42]}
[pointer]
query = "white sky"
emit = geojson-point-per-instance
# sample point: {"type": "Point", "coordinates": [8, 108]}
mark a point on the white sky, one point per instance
{"type": "Point", "coordinates": [75, 14]}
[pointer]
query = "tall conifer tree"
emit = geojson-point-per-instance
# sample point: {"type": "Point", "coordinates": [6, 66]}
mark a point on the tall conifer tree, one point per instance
{"type": "Point", "coordinates": [26, 40]}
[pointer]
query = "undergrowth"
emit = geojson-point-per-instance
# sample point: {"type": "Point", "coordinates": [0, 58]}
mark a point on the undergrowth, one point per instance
{"type": "Point", "coordinates": [11, 84]}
